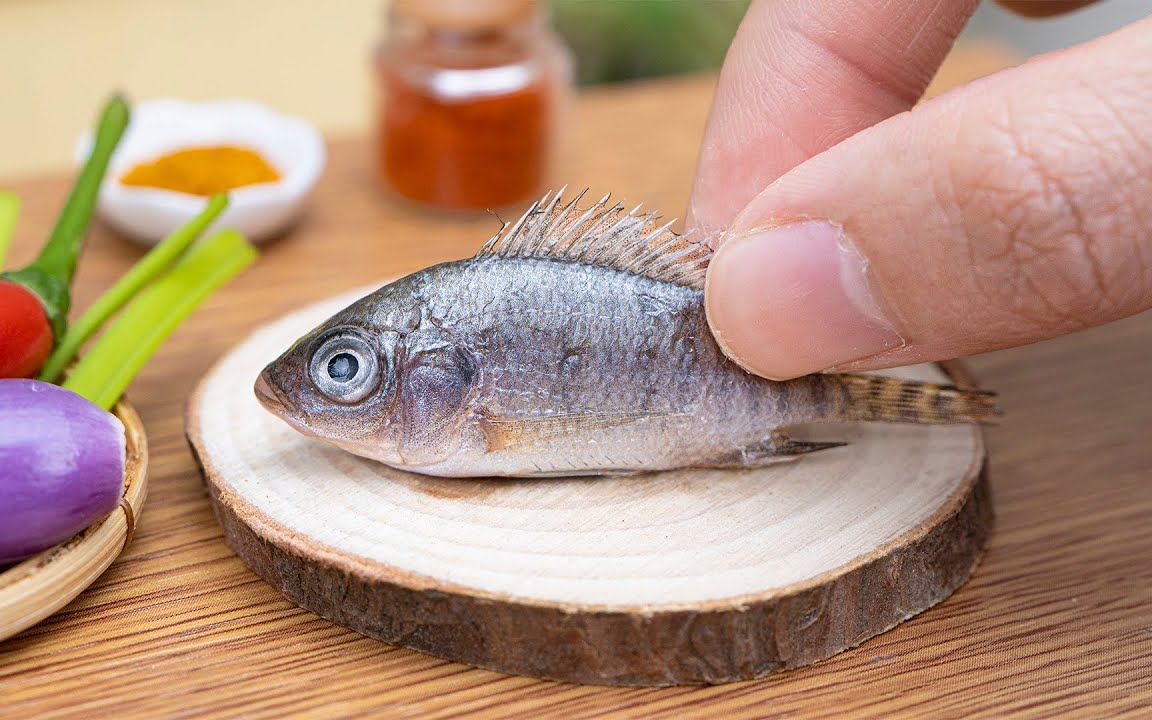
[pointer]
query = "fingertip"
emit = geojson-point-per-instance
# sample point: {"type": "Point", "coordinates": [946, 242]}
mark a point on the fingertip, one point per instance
{"type": "Point", "coordinates": [792, 300]}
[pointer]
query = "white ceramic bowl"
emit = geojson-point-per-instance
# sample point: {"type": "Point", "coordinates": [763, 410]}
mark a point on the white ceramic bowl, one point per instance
{"type": "Point", "coordinates": [161, 126]}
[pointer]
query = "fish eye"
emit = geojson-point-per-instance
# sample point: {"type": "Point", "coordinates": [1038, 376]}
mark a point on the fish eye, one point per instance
{"type": "Point", "coordinates": [345, 368]}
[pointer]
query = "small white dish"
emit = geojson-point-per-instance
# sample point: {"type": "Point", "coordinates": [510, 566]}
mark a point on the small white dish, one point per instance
{"type": "Point", "coordinates": [158, 127]}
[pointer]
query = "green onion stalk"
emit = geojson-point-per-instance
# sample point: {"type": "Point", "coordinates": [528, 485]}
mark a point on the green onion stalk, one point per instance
{"type": "Point", "coordinates": [159, 259]}
{"type": "Point", "coordinates": [146, 322]}
{"type": "Point", "coordinates": [9, 213]}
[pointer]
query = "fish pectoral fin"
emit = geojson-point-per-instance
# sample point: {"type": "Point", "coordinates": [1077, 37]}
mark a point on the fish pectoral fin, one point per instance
{"type": "Point", "coordinates": [778, 448]}
{"type": "Point", "coordinates": [503, 433]}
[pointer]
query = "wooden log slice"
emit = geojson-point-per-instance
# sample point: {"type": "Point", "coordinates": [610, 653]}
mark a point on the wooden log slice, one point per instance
{"type": "Point", "coordinates": [696, 576]}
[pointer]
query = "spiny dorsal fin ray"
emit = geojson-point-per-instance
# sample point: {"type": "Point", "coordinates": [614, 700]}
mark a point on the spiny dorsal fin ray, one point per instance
{"type": "Point", "coordinates": [603, 235]}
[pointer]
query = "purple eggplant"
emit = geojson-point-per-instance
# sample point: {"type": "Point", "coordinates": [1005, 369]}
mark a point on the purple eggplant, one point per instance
{"type": "Point", "coordinates": [61, 466]}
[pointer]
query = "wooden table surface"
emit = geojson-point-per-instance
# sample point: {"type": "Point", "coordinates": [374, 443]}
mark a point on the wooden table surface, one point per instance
{"type": "Point", "coordinates": [1057, 619]}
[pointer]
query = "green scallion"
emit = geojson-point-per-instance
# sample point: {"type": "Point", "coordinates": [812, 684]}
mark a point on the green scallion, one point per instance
{"type": "Point", "coordinates": [9, 212]}
{"type": "Point", "coordinates": [130, 340]}
{"type": "Point", "coordinates": [144, 271]}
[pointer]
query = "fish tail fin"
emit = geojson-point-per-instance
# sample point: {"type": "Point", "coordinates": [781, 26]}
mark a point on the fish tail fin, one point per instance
{"type": "Point", "coordinates": [879, 398]}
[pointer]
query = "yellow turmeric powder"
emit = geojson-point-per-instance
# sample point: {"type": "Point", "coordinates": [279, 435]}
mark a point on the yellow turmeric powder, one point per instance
{"type": "Point", "coordinates": [203, 170]}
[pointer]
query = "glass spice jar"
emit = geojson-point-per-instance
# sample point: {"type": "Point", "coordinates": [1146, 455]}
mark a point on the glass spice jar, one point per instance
{"type": "Point", "coordinates": [471, 98]}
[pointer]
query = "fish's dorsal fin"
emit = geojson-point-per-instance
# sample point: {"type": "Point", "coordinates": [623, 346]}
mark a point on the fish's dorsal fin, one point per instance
{"type": "Point", "coordinates": [602, 235]}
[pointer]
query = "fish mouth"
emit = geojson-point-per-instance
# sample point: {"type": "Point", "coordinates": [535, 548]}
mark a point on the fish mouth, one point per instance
{"type": "Point", "coordinates": [276, 402]}
{"type": "Point", "coordinates": [269, 395]}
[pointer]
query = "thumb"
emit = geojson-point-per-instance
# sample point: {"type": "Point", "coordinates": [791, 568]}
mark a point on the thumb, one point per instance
{"type": "Point", "coordinates": [1016, 209]}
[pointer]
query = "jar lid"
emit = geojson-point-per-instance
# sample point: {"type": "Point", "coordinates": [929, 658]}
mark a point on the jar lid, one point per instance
{"type": "Point", "coordinates": [468, 14]}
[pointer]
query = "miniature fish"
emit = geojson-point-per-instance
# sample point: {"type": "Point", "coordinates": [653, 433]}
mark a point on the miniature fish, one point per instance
{"type": "Point", "coordinates": [573, 343]}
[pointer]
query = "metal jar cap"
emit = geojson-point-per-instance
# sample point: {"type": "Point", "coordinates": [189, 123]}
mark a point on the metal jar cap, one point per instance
{"type": "Point", "coordinates": [468, 14]}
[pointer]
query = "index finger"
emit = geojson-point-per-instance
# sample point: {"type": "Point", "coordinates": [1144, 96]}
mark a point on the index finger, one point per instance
{"type": "Point", "coordinates": [802, 75]}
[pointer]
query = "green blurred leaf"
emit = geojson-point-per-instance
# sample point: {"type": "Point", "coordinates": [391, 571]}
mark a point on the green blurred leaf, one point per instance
{"type": "Point", "coordinates": [617, 40]}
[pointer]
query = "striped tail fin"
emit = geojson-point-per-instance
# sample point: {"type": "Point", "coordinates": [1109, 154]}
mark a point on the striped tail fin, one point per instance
{"type": "Point", "coordinates": [885, 399]}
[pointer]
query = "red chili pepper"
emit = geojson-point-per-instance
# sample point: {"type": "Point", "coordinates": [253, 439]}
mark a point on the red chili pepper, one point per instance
{"type": "Point", "coordinates": [25, 333]}
{"type": "Point", "coordinates": [46, 282]}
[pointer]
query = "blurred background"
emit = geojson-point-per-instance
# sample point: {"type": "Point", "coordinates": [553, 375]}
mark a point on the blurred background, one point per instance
{"type": "Point", "coordinates": [58, 58]}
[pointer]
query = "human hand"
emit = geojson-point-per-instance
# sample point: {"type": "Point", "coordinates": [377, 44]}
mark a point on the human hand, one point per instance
{"type": "Point", "coordinates": [860, 236]}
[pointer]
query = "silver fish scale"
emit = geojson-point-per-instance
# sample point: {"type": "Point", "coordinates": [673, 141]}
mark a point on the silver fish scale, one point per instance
{"type": "Point", "coordinates": [556, 339]}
